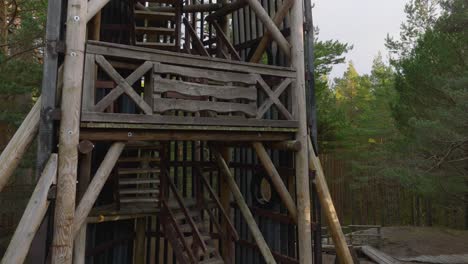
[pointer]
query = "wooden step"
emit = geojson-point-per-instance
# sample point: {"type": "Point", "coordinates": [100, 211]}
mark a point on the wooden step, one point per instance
{"type": "Point", "coordinates": [138, 159]}
{"type": "Point", "coordinates": [215, 260]}
{"type": "Point", "coordinates": [205, 238]}
{"type": "Point", "coordinates": [161, 1]}
{"type": "Point", "coordinates": [138, 181]}
{"type": "Point", "coordinates": [139, 200]}
{"type": "Point", "coordinates": [181, 215]}
{"type": "Point", "coordinates": [126, 171]}
{"type": "Point", "coordinates": [139, 191]}
{"type": "Point", "coordinates": [155, 16]}
{"type": "Point", "coordinates": [155, 30]}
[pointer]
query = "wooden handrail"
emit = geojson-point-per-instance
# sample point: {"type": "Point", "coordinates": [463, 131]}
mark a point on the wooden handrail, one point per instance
{"type": "Point", "coordinates": [179, 232]}
{"type": "Point", "coordinates": [232, 229]}
{"type": "Point", "coordinates": [195, 231]}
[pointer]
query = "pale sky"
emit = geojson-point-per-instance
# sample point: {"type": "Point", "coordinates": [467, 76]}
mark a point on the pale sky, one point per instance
{"type": "Point", "coordinates": [363, 23]}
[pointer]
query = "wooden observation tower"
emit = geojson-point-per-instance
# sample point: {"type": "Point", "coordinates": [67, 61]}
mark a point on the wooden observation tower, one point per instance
{"type": "Point", "coordinates": [172, 131]}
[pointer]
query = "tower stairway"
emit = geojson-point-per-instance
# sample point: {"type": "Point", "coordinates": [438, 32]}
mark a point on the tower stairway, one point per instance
{"type": "Point", "coordinates": [157, 24]}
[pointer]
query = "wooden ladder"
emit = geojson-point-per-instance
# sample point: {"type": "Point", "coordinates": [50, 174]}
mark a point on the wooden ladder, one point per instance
{"type": "Point", "coordinates": [157, 24]}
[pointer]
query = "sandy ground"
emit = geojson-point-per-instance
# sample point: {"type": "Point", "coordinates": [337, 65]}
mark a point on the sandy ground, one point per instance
{"type": "Point", "coordinates": [416, 241]}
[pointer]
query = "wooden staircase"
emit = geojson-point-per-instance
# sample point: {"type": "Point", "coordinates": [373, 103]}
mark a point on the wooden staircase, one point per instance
{"type": "Point", "coordinates": [185, 226]}
{"type": "Point", "coordinates": [138, 172]}
{"type": "Point", "coordinates": [157, 24]}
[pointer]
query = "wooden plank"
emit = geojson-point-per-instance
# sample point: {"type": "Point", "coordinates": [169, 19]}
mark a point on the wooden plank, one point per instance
{"type": "Point", "coordinates": [107, 67]}
{"type": "Point", "coordinates": [94, 7]}
{"type": "Point", "coordinates": [147, 135]}
{"type": "Point", "coordinates": [328, 208]}
{"type": "Point", "coordinates": [378, 256]}
{"type": "Point", "coordinates": [225, 40]}
{"type": "Point", "coordinates": [89, 89]}
{"type": "Point", "coordinates": [146, 54]}
{"type": "Point", "coordinates": [168, 122]}
{"type": "Point", "coordinates": [227, 92]}
{"type": "Point", "coordinates": [119, 90]}
{"type": "Point", "coordinates": [214, 75]}
{"type": "Point", "coordinates": [276, 179]}
{"type": "Point", "coordinates": [162, 105]}
{"type": "Point", "coordinates": [256, 233]}
{"type": "Point", "coordinates": [32, 216]}
{"type": "Point", "coordinates": [19, 143]}
{"type": "Point", "coordinates": [95, 187]}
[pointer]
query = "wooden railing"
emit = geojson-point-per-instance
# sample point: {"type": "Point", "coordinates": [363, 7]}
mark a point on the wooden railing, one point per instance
{"type": "Point", "coordinates": [198, 242]}
{"type": "Point", "coordinates": [171, 88]}
{"type": "Point", "coordinates": [232, 230]}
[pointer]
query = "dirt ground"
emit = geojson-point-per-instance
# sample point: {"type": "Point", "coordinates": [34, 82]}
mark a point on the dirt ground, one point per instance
{"type": "Point", "coordinates": [405, 241]}
{"type": "Point", "coordinates": [416, 241]}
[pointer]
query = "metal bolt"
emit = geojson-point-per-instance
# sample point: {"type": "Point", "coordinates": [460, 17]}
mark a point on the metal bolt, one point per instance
{"type": "Point", "coordinates": [76, 18]}
{"type": "Point", "coordinates": [73, 54]}
{"type": "Point", "coordinates": [70, 132]}
{"type": "Point", "coordinates": [130, 134]}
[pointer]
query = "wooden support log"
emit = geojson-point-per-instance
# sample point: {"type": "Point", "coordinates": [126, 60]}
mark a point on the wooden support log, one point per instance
{"type": "Point", "coordinates": [243, 207]}
{"type": "Point", "coordinates": [226, 9]}
{"type": "Point", "coordinates": [271, 26]}
{"type": "Point", "coordinates": [328, 208]}
{"type": "Point", "coordinates": [14, 151]}
{"type": "Point", "coordinates": [94, 7]}
{"type": "Point", "coordinates": [32, 216]}
{"type": "Point", "coordinates": [69, 133]}
{"type": "Point", "coordinates": [185, 9]}
{"type": "Point", "coordinates": [95, 187]}
{"type": "Point", "coordinates": [265, 41]}
{"type": "Point", "coordinates": [304, 221]}
{"type": "Point", "coordinates": [276, 179]}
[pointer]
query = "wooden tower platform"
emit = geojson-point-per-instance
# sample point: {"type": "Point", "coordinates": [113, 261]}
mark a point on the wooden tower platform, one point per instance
{"type": "Point", "coordinates": [172, 132]}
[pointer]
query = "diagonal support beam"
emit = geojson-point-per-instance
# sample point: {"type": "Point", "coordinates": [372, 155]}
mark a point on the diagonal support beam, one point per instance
{"type": "Point", "coordinates": [276, 179]}
{"type": "Point", "coordinates": [95, 187]}
{"type": "Point", "coordinates": [119, 90]}
{"type": "Point", "coordinates": [94, 6]}
{"type": "Point", "coordinates": [271, 26]}
{"type": "Point", "coordinates": [278, 19]}
{"type": "Point", "coordinates": [196, 41]}
{"type": "Point", "coordinates": [32, 216]}
{"type": "Point", "coordinates": [225, 40]}
{"type": "Point", "coordinates": [273, 98]}
{"type": "Point", "coordinates": [107, 67]}
{"type": "Point", "coordinates": [243, 207]}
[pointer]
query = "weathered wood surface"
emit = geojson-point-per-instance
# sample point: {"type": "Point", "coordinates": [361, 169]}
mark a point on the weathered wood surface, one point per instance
{"type": "Point", "coordinates": [328, 208]}
{"type": "Point", "coordinates": [146, 54]}
{"type": "Point", "coordinates": [14, 151]}
{"type": "Point", "coordinates": [225, 40]}
{"type": "Point", "coordinates": [122, 88]}
{"type": "Point", "coordinates": [162, 105]}
{"type": "Point", "coordinates": [32, 216]}
{"type": "Point", "coordinates": [273, 98]}
{"type": "Point", "coordinates": [213, 75]}
{"type": "Point", "coordinates": [243, 207]}
{"type": "Point", "coordinates": [227, 92]}
{"type": "Point", "coordinates": [196, 42]}
{"type": "Point", "coordinates": [271, 26]}
{"type": "Point", "coordinates": [94, 7]}
{"type": "Point", "coordinates": [266, 38]}
{"type": "Point", "coordinates": [123, 84]}
{"type": "Point", "coordinates": [178, 122]}
{"type": "Point", "coordinates": [378, 256]}
{"type": "Point", "coordinates": [276, 179]}
{"type": "Point", "coordinates": [227, 9]}
{"type": "Point", "coordinates": [95, 187]}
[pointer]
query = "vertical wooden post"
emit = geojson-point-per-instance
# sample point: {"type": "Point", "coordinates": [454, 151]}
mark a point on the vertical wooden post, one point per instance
{"type": "Point", "coordinates": [62, 244]}
{"type": "Point", "coordinates": [3, 27]}
{"type": "Point", "coordinates": [83, 182]}
{"type": "Point", "coordinates": [301, 157]}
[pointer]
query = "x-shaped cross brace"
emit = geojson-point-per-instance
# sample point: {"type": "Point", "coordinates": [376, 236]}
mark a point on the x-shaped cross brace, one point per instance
{"type": "Point", "coordinates": [273, 98]}
{"type": "Point", "coordinates": [123, 85]}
